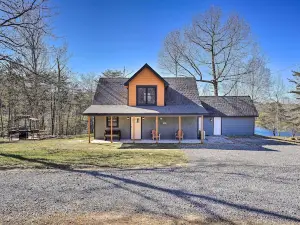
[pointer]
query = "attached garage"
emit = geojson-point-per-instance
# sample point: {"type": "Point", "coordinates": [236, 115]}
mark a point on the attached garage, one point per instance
{"type": "Point", "coordinates": [229, 115]}
{"type": "Point", "coordinates": [238, 126]}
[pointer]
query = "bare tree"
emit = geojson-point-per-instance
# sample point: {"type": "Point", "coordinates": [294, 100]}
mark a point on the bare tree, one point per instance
{"type": "Point", "coordinates": [33, 76]}
{"type": "Point", "coordinates": [209, 46]}
{"type": "Point", "coordinates": [61, 74]}
{"type": "Point", "coordinates": [15, 16]}
{"type": "Point", "coordinates": [278, 97]}
{"type": "Point", "coordinates": [88, 82]}
{"type": "Point", "coordinates": [256, 84]}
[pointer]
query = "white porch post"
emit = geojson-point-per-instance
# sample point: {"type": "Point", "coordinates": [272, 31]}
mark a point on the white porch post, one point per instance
{"type": "Point", "coordinates": [202, 127]}
{"type": "Point", "coordinates": [156, 128]}
{"type": "Point", "coordinates": [111, 129]}
{"type": "Point", "coordinates": [179, 129]}
{"type": "Point", "coordinates": [133, 129]}
{"type": "Point", "coordinates": [89, 128]}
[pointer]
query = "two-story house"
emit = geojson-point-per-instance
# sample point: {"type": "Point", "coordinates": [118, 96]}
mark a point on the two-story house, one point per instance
{"type": "Point", "coordinates": [148, 106]}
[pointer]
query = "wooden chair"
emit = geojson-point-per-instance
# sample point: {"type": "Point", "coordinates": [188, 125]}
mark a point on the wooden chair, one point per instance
{"type": "Point", "coordinates": [179, 134]}
{"type": "Point", "coordinates": [153, 132]}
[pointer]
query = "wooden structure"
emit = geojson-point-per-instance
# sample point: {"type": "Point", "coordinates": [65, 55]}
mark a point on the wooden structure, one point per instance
{"type": "Point", "coordinates": [25, 127]}
{"type": "Point", "coordinates": [115, 133]}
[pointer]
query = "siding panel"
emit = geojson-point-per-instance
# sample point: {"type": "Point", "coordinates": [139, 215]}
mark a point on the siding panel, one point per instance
{"type": "Point", "coordinates": [100, 126]}
{"type": "Point", "coordinates": [190, 127]}
{"type": "Point", "coordinates": [209, 125]}
{"type": "Point", "coordinates": [148, 124]}
{"type": "Point", "coordinates": [167, 127]}
{"type": "Point", "coordinates": [239, 126]}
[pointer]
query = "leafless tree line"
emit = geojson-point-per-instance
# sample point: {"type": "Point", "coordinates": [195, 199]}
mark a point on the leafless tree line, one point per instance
{"type": "Point", "coordinates": [35, 78]}
{"type": "Point", "coordinates": [222, 56]}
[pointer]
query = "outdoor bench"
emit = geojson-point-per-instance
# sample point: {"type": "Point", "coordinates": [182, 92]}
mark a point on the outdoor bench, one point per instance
{"type": "Point", "coordinates": [115, 133]}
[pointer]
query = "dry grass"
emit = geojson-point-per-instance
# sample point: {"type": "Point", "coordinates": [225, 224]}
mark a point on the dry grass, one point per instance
{"type": "Point", "coordinates": [295, 140]}
{"type": "Point", "coordinates": [77, 153]}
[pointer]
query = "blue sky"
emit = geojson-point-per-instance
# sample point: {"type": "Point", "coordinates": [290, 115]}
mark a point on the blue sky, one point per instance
{"type": "Point", "coordinates": [111, 34]}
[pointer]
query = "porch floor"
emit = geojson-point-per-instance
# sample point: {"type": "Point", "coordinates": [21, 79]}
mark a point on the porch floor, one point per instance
{"type": "Point", "coordinates": [145, 141]}
{"type": "Point", "coordinates": [208, 140]}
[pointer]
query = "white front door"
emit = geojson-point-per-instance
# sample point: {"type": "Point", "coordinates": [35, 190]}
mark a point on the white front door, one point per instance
{"type": "Point", "coordinates": [217, 125]}
{"type": "Point", "coordinates": [137, 128]}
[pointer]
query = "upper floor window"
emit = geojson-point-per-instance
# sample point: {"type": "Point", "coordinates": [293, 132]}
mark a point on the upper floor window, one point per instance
{"type": "Point", "coordinates": [146, 95]}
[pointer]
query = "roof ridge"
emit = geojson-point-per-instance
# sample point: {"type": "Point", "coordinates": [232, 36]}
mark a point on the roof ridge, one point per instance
{"type": "Point", "coordinates": [113, 78]}
{"type": "Point", "coordinates": [150, 68]}
{"type": "Point", "coordinates": [179, 77]}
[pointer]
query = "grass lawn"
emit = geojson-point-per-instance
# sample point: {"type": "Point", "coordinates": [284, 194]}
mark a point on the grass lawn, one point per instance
{"type": "Point", "coordinates": [77, 153]}
{"type": "Point", "coordinates": [295, 140]}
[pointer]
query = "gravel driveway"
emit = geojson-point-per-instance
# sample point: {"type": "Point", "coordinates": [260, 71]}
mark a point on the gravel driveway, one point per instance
{"type": "Point", "coordinates": [252, 179]}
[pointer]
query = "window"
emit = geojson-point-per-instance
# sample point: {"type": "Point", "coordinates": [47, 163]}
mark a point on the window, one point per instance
{"type": "Point", "coordinates": [146, 95]}
{"type": "Point", "coordinates": [115, 121]}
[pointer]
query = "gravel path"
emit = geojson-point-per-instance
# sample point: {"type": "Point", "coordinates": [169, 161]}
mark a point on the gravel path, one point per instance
{"type": "Point", "coordinates": [257, 180]}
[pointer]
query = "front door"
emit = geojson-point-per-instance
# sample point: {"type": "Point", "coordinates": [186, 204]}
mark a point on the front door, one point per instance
{"type": "Point", "coordinates": [137, 128]}
{"type": "Point", "coordinates": [217, 125]}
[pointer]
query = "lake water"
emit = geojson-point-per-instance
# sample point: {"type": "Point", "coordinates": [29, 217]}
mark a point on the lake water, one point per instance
{"type": "Point", "coordinates": [266, 132]}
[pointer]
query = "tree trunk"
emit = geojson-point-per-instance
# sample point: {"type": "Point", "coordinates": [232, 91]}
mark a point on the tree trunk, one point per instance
{"type": "Point", "coordinates": [213, 68]}
{"type": "Point", "coordinates": [216, 90]}
{"type": "Point", "coordinates": [68, 116]}
{"type": "Point", "coordinates": [1, 119]}
{"type": "Point", "coordinates": [53, 109]}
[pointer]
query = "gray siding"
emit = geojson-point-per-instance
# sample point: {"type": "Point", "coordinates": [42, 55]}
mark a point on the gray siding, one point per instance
{"type": "Point", "coordinates": [238, 126]}
{"type": "Point", "coordinates": [100, 126]}
{"type": "Point", "coordinates": [124, 126]}
{"type": "Point", "coordinates": [190, 127]}
{"type": "Point", "coordinates": [209, 125]}
{"type": "Point", "coordinates": [168, 126]}
{"type": "Point", "coordinates": [148, 124]}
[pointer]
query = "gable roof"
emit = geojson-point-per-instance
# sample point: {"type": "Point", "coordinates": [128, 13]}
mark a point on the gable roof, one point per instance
{"type": "Point", "coordinates": [229, 105]}
{"type": "Point", "coordinates": [181, 91]}
{"type": "Point", "coordinates": [152, 70]}
{"type": "Point", "coordinates": [181, 98]}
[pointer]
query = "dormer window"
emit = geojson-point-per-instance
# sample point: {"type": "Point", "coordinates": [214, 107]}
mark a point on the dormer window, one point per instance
{"type": "Point", "coordinates": [146, 95]}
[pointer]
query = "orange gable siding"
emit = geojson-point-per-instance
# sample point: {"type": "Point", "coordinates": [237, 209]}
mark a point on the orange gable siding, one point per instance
{"type": "Point", "coordinates": [146, 77]}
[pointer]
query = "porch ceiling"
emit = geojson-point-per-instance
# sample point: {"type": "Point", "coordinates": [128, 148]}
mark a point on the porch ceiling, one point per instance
{"type": "Point", "coordinates": [106, 110]}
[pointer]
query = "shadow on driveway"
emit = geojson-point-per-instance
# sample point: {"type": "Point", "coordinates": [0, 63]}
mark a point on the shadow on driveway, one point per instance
{"type": "Point", "coordinates": [196, 199]}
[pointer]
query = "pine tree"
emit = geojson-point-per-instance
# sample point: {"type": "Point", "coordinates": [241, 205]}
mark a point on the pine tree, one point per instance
{"type": "Point", "coordinates": [293, 117]}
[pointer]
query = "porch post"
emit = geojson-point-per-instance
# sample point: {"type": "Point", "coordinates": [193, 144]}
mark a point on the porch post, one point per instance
{"type": "Point", "coordinates": [133, 129]}
{"type": "Point", "coordinates": [156, 128]}
{"type": "Point", "coordinates": [202, 127]}
{"type": "Point", "coordinates": [89, 128]}
{"type": "Point", "coordinates": [111, 129]}
{"type": "Point", "coordinates": [179, 129]}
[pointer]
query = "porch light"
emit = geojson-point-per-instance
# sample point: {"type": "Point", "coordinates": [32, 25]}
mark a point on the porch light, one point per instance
{"type": "Point", "coordinates": [143, 118]}
{"type": "Point", "coordinates": [210, 119]}
{"type": "Point", "coordinates": [128, 118]}
{"type": "Point", "coordinates": [160, 118]}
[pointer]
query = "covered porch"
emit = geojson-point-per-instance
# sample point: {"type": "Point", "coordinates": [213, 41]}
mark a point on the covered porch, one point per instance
{"type": "Point", "coordinates": [147, 129]}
